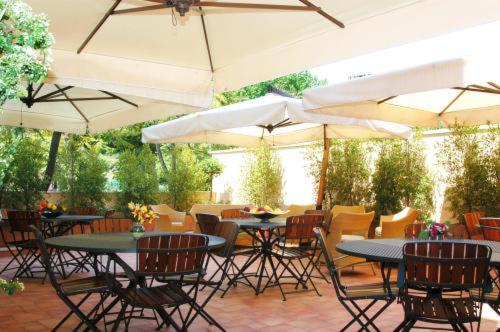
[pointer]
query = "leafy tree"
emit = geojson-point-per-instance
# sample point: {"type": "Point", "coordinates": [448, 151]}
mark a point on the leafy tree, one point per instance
{"type": "Point", "coordinates": [262, 176]}
{"type": "Point", "coordinates": [401, 178]}
{"type": "Point", "coordinates": [212, 168]}
{"type": "Point", "coordinates": [293, 84]}
{"type": "Point", "coordinates": [472, 163]}
{"type": "Point", "coordinates": [137, 177]}
{"type": "Point", "coordinates": [24, 48]}
{"type": "Point", "coordinates": [183, 177]}
{"type": "Point", "coordinates": [82, 174]}
{"type": "Point", "coordinates": [8, 145]}
{"type": "Point", "coordinates": [26, 174]}
{"type": "Point", "coordinates": [348, 174]}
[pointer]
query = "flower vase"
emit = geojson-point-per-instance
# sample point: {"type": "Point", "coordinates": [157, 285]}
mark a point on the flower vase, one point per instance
{"type": "Point", "coordinates": [439, 237]}
{"type": "Point", "coordinates": [137, 229]}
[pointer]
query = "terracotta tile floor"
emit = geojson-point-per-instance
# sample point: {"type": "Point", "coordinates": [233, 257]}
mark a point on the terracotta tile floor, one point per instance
{"type": "Point", "coordinates": [38, 309]}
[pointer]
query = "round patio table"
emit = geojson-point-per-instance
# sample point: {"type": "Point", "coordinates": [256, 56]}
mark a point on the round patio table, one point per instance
{"type": "Point", "coordinates": [391, 250]}
{"type": "Point", "coordinates": [111, 243]}
{"type": "Point", "coordinates": [265, 234]}
{"type": "Point", "coordinates": [60, 225]}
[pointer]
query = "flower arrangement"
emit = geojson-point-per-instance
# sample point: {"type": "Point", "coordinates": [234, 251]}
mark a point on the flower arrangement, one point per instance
{"type": "Point", "coordinates": [49, 209]}
{"type": "Point", "coordinates": [435, 230]}
{"type": "Point", "coordinates": [10, 287]}
{"type": "Point", "coordinates": [141, 213]}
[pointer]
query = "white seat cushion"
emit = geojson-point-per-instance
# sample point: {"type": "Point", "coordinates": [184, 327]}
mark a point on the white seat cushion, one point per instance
{"type": "Point", "coordinates": [352, 237]}
{"type": "Point", "coordinates": [378, 231]}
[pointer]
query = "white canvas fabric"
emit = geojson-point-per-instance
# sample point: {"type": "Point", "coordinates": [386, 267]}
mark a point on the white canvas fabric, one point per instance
{"type": "Point", "coordinates": [425, 96]}
{"type": "Point", "coordinates": [96, 115]}
{"type": "Point", "coordinates": [247, 123]}
{"type": "Point", "coordinates": [146, 54]}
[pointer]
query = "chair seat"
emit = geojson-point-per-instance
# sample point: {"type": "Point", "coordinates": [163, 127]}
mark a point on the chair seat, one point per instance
{"type": "Point", "coordinates": [292, 252]}
{"type": "Point", "coordinates": [493, 296]}
{"type": "Point", "coordinates": [155, 297]}
{"type": "Point", "coordinates": [433, 308]}
{"type": "Point", "coordinates": [96, 284]}
{"type": "Point", "coordinates": [370, 290]}
{"type": "Point", "coordinates": [191, 279]}
{"type": "Point", "coordinates": [352, 237]}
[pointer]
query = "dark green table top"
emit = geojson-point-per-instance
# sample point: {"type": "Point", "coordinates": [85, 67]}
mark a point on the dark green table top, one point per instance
{"type": "Point", "coordinates": [391, 250]}
{"type": "Point", "coordinates": [73, 218]}
{"type": "Point", "coordinates": [254, 223]}
{"type": "Point", "coordinates": [107, 243]}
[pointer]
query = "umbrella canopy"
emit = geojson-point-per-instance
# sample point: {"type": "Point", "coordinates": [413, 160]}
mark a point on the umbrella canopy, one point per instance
{"type": "Point", "coordinates": [273, 118]}
{"type": "Point", "coordinates": [433, 95]}
{"type": "Point", "coordinates": [146, 48]}
{"type": "Point", "coordinates": [77, 110]}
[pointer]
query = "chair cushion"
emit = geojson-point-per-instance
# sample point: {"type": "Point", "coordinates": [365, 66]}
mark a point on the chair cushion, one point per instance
{"type": "Point", "coordinates": [352, 237]}
{"type": "Point", "coordinates": [370, 290]}
{"type": "Point", "coordinates": [378, 231]}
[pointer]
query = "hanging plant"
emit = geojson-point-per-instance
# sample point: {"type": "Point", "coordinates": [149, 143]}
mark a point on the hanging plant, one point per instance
{"type": "Point", "coordinates": [25, 43]}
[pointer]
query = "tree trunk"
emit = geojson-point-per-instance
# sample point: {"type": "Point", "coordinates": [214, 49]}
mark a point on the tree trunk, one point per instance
{"type": "Point", "coordinates": [51, 163]}
{"type": "Point", "coordinates": [322, 176]}
{"type": "Point", "coordinates": [160, 157]}
{"type": "Point", "coordinates": [211, 186]}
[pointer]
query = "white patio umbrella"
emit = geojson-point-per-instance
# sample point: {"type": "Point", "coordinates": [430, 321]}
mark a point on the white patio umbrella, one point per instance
{"type": "Point", "coordinates": [274, 119]}
{"type": "Point", "coordinates": [433, 95]}
{"type": "Point", "coordinates": [146, 48]}
{"type": "Point", "coordinates": [75, 110]}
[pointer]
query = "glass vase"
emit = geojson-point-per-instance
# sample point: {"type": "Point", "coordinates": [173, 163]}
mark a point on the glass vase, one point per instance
{"type": "Point", "coordinates": [137, 229]}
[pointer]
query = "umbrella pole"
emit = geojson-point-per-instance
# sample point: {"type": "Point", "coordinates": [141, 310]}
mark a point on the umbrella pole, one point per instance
{"type": "Point", "coordinates": [322, 176]}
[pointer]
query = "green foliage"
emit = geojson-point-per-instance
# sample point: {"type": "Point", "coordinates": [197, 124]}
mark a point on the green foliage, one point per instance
{"type": "Point", "coordinates": [25, 174]}
{"type": "Point", "coordinates": [293, 84]}
{"type": "Point", "coordinates": [211, 168]}
{"type": "Point", "coordinates": [81, 174]}
{"type": "Point", "coordinates": [10, 287]}
{"type": "Point", "coordinates": [472, 163]}
{"type": "Point", "coordinates": [262, 177]}
{"type": "Point", "coordinates": [137, 177]}
{"type": "Point", "coordinates": [24, 48]}
{"type": "Point", "coordinates": [348, 175]}
{"type": "Point", "coordinates": [401, 178]}
{"type": "Point", "coordinates": [183, 177]}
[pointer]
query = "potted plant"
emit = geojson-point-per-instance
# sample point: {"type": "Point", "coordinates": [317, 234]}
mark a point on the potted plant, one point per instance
{"type": "Point", "coordinates": [140, 214]}
{"type": "Point", "coordinates": [10, 287]}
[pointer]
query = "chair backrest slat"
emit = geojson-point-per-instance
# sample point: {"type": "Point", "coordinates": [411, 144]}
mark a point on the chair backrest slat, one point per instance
{"type": "Point", "coordinates": [445, 264]}
{"type": "Point", "coordinates": [234, 214]}
{"type": "Point", "coordinates": [490, 228]}
{"type": "Point", "coordinates": [471, 222]}
{"type": "Point", "coordinates": [20, 222]}
{"type": "Point", "coordinates": [229, 231]}
{"type": "Point", "coordinates": [301, 227]}
{"type": "Point", "coordinates": [413, 230]}
{"type": "Point", "coordinates": [207, 223]}
{"type": "Point", "coordinates": [327, 218]}
{"type": "Point", "coordinates": [171, 254]}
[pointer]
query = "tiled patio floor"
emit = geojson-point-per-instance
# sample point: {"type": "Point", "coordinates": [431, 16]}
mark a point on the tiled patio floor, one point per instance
{"type": "Point", "coordinates": [38, 309]}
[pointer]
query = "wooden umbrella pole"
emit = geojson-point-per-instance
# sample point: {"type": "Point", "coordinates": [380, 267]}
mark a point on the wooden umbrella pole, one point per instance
{"type": "Point", "coordinates": [324, 168]}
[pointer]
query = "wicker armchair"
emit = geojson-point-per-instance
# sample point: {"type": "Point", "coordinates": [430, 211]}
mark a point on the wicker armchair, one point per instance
{"type": "Point", "coordinates": [393, 226]}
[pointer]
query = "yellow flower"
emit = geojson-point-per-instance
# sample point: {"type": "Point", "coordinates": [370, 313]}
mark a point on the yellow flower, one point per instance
{"type": "Point", "coordinates": [131, 206]}
{"type": "Point", "coordinates": [144, 208]}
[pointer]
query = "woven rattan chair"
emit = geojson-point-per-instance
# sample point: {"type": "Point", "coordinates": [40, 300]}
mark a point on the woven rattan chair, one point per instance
{"type": "Point", "coordinates": [298, 245]}
{"type": "Point", "coordinates": [21, 244]}
{"type": "Point", "coordinates": [393, 226]}
{"type": "Point", "coordinates": [86, 287]}
{"type": "Point", "coordinates": [163, 256]}
{"type": "Point", "coordinates": [439, 276]}
{"type": "Point", "coordinates": [471, 220]}
{"type": "Point", "coordinates": [350, 296]}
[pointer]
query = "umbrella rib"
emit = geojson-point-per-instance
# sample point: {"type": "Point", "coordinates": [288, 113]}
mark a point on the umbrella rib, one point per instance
{"type": "Point", "coordinates": [496, 86]}
{"type": "Point", "coordinates": [385, 99]}
{"type": "Point", "coordinates": [48, 95]}
{"type": "Point", "coordinates": [202, 16]}
{"type": "Point", "coordinates": [324, 14]}
{"type": "Point", "coordinates": [139, 9]}
{"type": "Point", "coordinates": [478, 90]}
{"type": "Point", "coordinates": [452, 102]}
{"type": "Point", "coordinates": [72, 104]}
{"type": "Point", "coordinates": [119, 98]}
{"type": "Point", "coordinates": [76, 99]}
{"type": "Point", "coordinates": [98, 26]}
{"type": "Point", "coordinates": [38, 89]}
